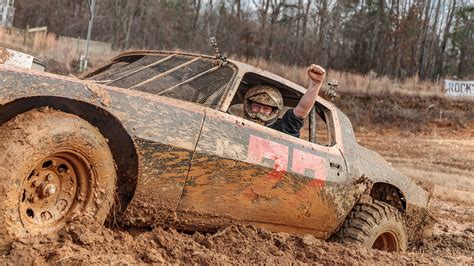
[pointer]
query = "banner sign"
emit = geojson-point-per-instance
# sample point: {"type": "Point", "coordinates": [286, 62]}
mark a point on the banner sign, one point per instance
{"type": "Point", "coordinates": [14, 58]}
{"type": "Point", "coordinates": [459, 88]}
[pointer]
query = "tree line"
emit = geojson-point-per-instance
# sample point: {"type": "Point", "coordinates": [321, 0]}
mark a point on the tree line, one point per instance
{"type": "Point", "coordinates": [397, 38]}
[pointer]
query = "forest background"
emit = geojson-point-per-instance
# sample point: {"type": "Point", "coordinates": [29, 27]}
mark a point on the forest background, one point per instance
{"type": "Point", "coordinates": [429, 39]}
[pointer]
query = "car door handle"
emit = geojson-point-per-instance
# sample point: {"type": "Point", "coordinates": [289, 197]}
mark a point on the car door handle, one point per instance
{"type": "Point", "coordinates": [335, 165]}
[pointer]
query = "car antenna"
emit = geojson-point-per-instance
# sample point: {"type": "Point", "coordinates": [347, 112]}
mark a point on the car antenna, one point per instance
{"type": "Point", "coordinates": [222, 60]}
{"type": "Point", "coordinates": [331, 92]}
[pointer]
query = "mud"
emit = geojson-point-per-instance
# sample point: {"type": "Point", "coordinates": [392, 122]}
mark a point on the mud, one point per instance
{"type": "Point", "coordinates": [451, 242]}
{"type": "Point", "coordinates": [4, 55]}
{"type": "Point", "coordinates": [436, 155]}
{"type": "Point", "coordinates": [238, 244]}
{"type": "Point", "coordinates": [420, 223]}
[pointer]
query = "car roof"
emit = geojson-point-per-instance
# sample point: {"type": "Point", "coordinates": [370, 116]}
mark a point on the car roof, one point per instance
{"type": "Point", "coordinates": [242, 68]}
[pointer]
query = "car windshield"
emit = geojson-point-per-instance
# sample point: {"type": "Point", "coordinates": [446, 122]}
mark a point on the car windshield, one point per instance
{"type": "Point", "coordinates": [186, 77]}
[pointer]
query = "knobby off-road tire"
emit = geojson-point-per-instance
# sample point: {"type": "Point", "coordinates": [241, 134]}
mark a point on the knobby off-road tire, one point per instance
{"type": "Point", "coordinates": [374, 225]}
{"type": "Point", "coordinates": [54, 166]}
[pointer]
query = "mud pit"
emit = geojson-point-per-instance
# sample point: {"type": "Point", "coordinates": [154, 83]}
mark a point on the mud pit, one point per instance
{"type": "Point", "coordinates": [442, 157]}
{"type": "Point", "coordinates": [440, 152]}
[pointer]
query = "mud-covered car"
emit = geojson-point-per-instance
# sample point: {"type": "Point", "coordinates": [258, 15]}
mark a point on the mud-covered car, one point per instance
{"type": "Point", "coordinates": [154, 138]}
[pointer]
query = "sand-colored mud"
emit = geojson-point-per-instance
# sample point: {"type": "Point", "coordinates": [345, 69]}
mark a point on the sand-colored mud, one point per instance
{"type": "Point", "coordinates": [441, 157]}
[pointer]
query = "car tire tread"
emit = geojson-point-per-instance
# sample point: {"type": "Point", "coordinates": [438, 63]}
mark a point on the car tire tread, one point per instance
{"type": "Point", "coordinates": [368, 220]}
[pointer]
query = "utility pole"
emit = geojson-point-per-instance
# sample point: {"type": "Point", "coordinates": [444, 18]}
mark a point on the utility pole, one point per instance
{"type": "Point", "coordinates": [7, 10]}
{"type": "Point", "coordinates": [89, 33]}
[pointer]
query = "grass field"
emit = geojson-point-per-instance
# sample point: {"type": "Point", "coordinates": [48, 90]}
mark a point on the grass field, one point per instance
{"type": "Point", "coordinates": [349, 82]}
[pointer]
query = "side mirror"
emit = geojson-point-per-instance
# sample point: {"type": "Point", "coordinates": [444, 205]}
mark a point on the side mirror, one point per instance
{"type": "Point", "coordinates": [331, 92]}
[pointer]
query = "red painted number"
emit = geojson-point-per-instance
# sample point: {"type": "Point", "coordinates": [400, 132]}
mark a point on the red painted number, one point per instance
{"type": "Point", "coordinates": [309, 164]}
{"type": "Point", "coordinates": [276, 156]}
{"type": "Point", "coordinates": [260, 149]}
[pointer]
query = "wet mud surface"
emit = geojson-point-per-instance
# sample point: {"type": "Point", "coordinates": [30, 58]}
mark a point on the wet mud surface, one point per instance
{"type": "Point", "coordinates": [439, 153]}
{"type": "Point", "coordinates": [444, 162]}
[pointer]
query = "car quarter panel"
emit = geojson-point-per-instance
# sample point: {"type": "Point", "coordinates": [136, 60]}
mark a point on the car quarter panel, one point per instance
{"type": "Point", "coordinates": [165, 132]}
{"type": "Point", "coordinates": [365, 164]}
{"type": "Point", "coordinates": [245, 172]}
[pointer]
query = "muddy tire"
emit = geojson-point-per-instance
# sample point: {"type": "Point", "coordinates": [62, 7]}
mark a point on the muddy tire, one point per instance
{"type": "Point", "coordinates": [54, 167]}
{"type": "Point", "coordinates": [374, 225]}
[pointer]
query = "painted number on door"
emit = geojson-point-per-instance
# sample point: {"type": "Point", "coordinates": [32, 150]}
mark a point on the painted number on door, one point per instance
{"type": "Point", "coordinates": [277, 156]}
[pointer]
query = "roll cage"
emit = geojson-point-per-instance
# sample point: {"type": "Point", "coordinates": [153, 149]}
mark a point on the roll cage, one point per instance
{"type": "Point", "coordinates": [203, 80]}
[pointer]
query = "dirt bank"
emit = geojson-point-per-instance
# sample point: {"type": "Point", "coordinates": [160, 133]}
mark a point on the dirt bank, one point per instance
{"type": "Point", "coordinates": [406, 112]}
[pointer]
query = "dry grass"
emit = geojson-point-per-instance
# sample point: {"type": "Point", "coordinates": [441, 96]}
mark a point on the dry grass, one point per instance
{"type": "Point", "coordinates": [60, 57]}
{"type": "Point", "coordinates": [350, 82]}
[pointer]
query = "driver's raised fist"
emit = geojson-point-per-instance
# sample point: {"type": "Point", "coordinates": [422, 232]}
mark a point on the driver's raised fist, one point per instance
{"type": "Point", "coordinates": [316, 73]}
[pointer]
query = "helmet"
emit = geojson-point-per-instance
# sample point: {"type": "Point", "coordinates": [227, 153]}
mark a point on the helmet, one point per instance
{"type": "Point", "coordinates": [267, 95]}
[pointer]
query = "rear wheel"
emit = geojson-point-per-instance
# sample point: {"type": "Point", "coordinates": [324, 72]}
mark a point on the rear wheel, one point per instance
{"type": "Point", "coordinates": [54, 167]}
{"type": "Point", "coordinates": [375, 225]}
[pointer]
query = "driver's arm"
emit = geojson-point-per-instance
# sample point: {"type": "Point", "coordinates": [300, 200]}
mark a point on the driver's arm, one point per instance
{"type": "Point", "coordinates": [316, 74]}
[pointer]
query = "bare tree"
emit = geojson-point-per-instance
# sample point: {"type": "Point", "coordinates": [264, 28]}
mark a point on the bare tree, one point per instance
{"type": "Point", "coordinates": [399, 38]}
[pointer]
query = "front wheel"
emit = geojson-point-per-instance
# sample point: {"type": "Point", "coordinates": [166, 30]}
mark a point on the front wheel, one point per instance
{"type": "Point", "coordinates": [54, 166]}
{"type": "Point", "coordinates": [374, 225]}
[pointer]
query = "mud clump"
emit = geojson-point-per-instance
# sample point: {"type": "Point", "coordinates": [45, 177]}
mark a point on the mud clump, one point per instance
{"type": "Point", "coordinates": [420, 224]}
{"type": "Point", "coordinates": [447, 243]}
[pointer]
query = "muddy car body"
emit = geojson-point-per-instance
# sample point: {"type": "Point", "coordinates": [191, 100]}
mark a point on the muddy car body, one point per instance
{"type": "Point", "coordinates": [184, 158]}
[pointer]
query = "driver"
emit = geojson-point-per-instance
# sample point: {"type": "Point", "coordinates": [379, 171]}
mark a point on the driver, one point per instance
{"type": "Point", "coordinates": [263, 104]}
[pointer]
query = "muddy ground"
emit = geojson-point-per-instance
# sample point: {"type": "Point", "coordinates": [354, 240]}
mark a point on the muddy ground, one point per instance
{"type": "Point", "coordinates": [440, 151]}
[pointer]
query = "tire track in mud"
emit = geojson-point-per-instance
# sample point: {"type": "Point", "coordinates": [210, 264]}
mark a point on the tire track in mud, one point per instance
{"type": "Point", "coordinates": [451, 242]}
{"type": "Point", "coordinates": [440, 159]}
{"type": "Point", "coordinates": [234, 245]}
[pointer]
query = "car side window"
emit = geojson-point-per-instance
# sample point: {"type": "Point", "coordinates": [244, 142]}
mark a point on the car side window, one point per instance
{"type": "Point", "coordinates": [323, 127]}
{"type": "Point", "coordinates": [324, 134]}
{"type": "Point", "coordinates": [319, 130]}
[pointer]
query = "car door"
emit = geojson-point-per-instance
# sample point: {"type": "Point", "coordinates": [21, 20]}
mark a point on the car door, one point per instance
{"type": "Point", "coordinates": [247, 172]}
{"type": "Point", "coordinates": [166, 132]}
